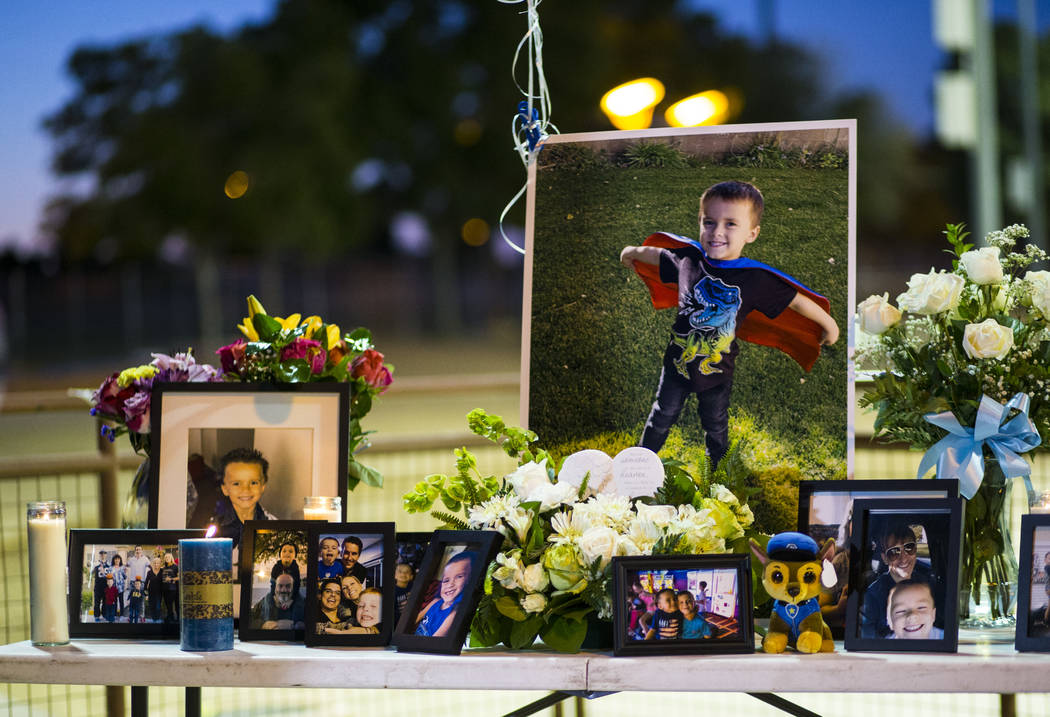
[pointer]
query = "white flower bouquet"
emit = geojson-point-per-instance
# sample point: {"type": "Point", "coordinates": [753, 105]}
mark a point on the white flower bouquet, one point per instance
{"type": "Point", "coordinates": [553, 573]}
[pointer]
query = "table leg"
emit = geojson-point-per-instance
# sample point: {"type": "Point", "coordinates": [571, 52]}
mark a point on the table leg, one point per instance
{"type": "Point", "coordinates": [781, 704]}
{"type": "Point", "coordinates": [139, 701]}
{"type": "Point", "coordinates": [193, 702]}
{"type": "Point", "coordinates": [541, 704]}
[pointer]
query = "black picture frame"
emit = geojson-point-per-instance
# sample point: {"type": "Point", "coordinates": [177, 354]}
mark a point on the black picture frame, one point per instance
{"type": "Point", "coordinates": [1032, 633]}
{"type": "Point", "coordinates": [248, 414]}
{"type": "Point", "coordinates": [727, 633]}
{"type": "Point", "coordinates": [255, 572]}
{"type": "Point", "coordinates": [872, 589]}
{"type": "Point", "coordinates": [379, 545]}
{"type": "Point", "coordinates": [841, 494]}
{"type": "Point", "coordinates": [84, 546]}
{"type": "Point", "coordinates": [411, 549]}
{"type": "Point", "coordinates": [444, 546]}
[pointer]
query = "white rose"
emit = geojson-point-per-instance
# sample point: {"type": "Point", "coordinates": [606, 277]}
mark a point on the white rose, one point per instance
{"type": "Point", "coordinates": [1039, 290]}
{"type": "Point", "coordinates": [598, 542]}
{"type": "Point", "coordinates": [987, 339]}
{"type": "Point", "coordinates": [551, 495]}
{"type": "Point", "coordinates": [527, 478]}
{"type": "Point", "coordinates": [932, 293]}
{"type": "Point", "coordinates": [658, 515]}
{"type": "Point", "coordinates": [534, 578]}
{"type": "Point", "coordinates": [877, 314]}
{"type": "Point", "coordinates": [534, 602]}
{"type": "Point", "coordinates": [982, 265]}
{"type": "Point", "coordinates": [626, 546]}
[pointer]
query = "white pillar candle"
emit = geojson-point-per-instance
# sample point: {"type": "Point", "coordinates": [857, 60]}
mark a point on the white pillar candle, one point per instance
{"type": "Point", "coordinates": [323, 508]}
{"type": "Point", "coordinates": [49, 619]}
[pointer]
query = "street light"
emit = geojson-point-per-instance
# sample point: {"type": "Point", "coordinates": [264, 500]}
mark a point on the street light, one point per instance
{"type": "Point", "coordinates": [630, 105]}
{"type": "Point", "coordinates": [710, 107]}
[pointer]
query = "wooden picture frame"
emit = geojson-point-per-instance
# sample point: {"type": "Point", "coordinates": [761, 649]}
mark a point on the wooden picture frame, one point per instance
{"type": "Point", "coordinates": [431, 622]}
{"type": "Point", "coordinates": [716, 587]}
{"type": "Point", "coordinates": [824, 511]}
{"type": "Point", "coordinates": [904, 575]}
{"type": "Point", "coordinates": [1033, 594]}
{"type": "Point", "coordinates": [262, 562]}
{"type": "Point", "coordinates": [159, 618]}
{"type": "Point", "coordinates": [366, 552]}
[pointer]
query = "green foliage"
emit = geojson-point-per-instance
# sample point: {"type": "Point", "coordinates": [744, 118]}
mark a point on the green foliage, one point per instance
{"type": "Point", "coordinates": [775, 498]}
{"type": "Point", "coordinates": [771, 155]}
{"type": "Point", "coordinates": [449, 521]}
{"type": "Point", "coordinates": [653, 154]}
{"type": "Point", "coordinates": [268, 544]}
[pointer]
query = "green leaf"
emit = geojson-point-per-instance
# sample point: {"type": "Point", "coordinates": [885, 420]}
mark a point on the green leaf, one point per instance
{"type": "Point", "coordinates": [359, 472]}
{"type": "Point", "coordinates": [523, 634]}
{"type": "Point", "coordinates": [564, 635]}
{"type": "Point", "coordinates": [509, 607]}
{"type": "Point", "coordinates": [293, 371]}
{"type": "Point", "coordinates": [488, 628]}
{"type": "Point", "coordinates": [359, 340]}
{"type": "Point", "coordinates": [266, 326]}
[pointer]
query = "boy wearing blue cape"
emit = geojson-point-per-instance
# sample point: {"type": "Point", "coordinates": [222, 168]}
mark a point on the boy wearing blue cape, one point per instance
{"type": "Point", "coordinates": [721, 297]}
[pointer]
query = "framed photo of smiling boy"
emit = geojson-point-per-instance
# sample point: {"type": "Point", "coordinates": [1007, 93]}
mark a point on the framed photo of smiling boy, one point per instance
{"type": "Point", "coordinates": [690, 288]}
{"type": "Point", "coordinates": [904, 575]}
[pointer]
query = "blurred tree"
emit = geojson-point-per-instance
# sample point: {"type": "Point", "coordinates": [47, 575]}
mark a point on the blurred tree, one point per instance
{"type": "Point", "coordinates": [346, 115]}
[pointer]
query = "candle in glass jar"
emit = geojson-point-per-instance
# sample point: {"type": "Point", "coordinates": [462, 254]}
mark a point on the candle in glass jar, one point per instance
{"type": "Point", "coordinates": [206, 594]}
{"type": "Point", "coordinates": [49, 618]}
{"type": "Point", "coordinates": [323, 508]}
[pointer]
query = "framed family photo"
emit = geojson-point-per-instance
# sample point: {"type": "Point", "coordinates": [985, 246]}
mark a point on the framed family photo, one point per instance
{"type": "Point", "coordinates": [632, 307]}
{"type": "Point", "coordinates": [445, 592]}
{"type": "Point", "coordinates": [1033, 596]}
{"type": "Point", "coordinates": [124, 583]}
{"type": "Point", "coordinates": [273, 578]}
{"type": "Point", "coordinates": [411, 547]}
{"type": "Point", "coordinates": [350, 584]}
{"type": "Point", "coordinates": [226, 453]}
{"type": "Point", "coordinates": [904, 575]}
{"type": "Point", "coordinates": [825, 511]}
{"type": "Point", "coordinates": [666, 605]}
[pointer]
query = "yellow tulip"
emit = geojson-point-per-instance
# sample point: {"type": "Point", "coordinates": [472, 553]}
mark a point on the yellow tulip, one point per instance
{"type": "Point", "coordinates": [334, 335]}
{"type": "Point", "coordinates": [290, 323]}
{"type": "Point", "coordinates": [312, 324]}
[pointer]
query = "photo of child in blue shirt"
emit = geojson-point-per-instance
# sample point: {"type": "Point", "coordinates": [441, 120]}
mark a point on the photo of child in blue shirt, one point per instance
{"type": "Point", "coordinates": [717, 290]}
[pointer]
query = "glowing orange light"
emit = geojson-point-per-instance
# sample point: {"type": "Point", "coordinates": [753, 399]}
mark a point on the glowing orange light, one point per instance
{"type": "Point", "coordinates": [630, 105]}
{"type": "Point", "coordinates": [467, 132]}
{"type": "Point", "coordinates": [237, 184]}
{"type": "Point", "coordinates": [710, 107]}
{"type": "Point", "coordinates": [475, 232]}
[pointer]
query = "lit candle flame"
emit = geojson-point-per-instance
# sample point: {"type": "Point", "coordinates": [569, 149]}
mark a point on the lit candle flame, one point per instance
{"type": "Point", "coordinates": [212, 530]}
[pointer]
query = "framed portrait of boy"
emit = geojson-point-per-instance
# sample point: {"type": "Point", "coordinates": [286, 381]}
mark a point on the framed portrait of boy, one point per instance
{"type": "Point", "coordinates": [1033, 595]}
{"type": "Point", "coordinates": [691, 288]}
{"type": "Point", "coordinates": [226, 453]}
{"type": "Point", "coordinates": [682, 604]}
{"type": "Point", "coordinates": [124, 583]}
{"type": "Point", "coordinates": [446, 590]}
{"type": "Point", "coordinates": [904, 575]}
{"type": "Point", "coordinates": [273, 578]}
{"type": "Point", "coordinates": [350, 583]}
{"type": "Point", "coordinates": [825, 511]}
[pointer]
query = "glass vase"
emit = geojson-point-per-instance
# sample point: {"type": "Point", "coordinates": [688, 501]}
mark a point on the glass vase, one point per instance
{"type": "Point", "coordinates": [988, 564]}
{"type": "Point", "coordinates": [136, 506]}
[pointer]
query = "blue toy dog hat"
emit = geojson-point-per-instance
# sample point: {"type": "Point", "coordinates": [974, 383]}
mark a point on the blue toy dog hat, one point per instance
{"type": "Point", "coordinates": [792, 547]}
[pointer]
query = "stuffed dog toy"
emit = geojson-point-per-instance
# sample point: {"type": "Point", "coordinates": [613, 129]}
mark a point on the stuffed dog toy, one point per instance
{"type": "Point", "coordinates": [792, 569]}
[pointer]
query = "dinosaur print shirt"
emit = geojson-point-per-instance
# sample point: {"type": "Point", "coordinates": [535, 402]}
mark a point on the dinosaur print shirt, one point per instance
{"type": "Point", "coordinates": [711, 300]}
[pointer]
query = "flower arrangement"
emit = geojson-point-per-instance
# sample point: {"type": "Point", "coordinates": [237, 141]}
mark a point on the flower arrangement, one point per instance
{"type": "Point", "coordinates": [124, 397]}
{"type": "Point", "coordinates": [553, 572]}
{"type": "Point", "coordinates": [955, 337]}
{"type": "Point", "coordinates": [297, 350]}
{"type": "Point", "coordinates": [277, 350]}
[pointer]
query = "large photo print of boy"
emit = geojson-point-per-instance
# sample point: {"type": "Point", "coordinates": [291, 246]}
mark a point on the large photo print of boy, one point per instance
{"type": "Point", "coordinates": [618, 231]}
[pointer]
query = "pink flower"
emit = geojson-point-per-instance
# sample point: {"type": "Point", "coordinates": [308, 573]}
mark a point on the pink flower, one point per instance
{"type": "Point", "coordinates": [306, 349]}
{"type": "Point", "coordinates": [137, 412]}
{"type": "Point", "coordinates": [369, 366]}
{"type": "Point", "coordinates": [109, 398]}
{"type": "Point", "coordinates": [232, 355]}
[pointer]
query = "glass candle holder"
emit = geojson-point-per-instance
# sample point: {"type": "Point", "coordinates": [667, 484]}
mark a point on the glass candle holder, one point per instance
{"type": "Point", "coordinates": [317, 507]}
{"type": "Point", "coordinates": [48, 615]}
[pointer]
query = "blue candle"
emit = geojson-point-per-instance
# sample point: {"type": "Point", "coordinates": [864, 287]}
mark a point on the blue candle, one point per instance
{"type": "Point", "coordinates": [206, 594]}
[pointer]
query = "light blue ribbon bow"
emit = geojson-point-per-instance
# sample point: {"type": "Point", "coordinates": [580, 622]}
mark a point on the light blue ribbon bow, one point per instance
{"type": "Point", "coordinates": [960, 454]}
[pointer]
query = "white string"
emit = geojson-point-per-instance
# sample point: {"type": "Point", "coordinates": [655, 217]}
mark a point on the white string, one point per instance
{"type": "Point", "coordinates": [537, 97]}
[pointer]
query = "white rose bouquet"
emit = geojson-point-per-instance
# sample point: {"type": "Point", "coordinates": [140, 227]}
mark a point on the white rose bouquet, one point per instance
{"type": "Point", "coordinates": [978, 330]}
{"type": "Point", "coordinates": [554, 570]}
